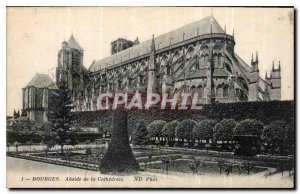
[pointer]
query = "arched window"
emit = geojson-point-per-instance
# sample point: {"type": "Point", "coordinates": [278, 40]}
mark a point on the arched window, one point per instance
{"type": "Point", "coordinates": [204, 49]}
{"type": "Point", "coordinates": [202, 59]}
{"type": "Point", "coordinates": [193, 89]}
{"type": "Point", "coordinates": [168, 70]}
{"type": "Point", "coordinates": [189, 53]}
{"type": "Point", "coordinates": [129, 81]}
{"type": "Point", "coordinates": [111, 86]}
{"type": "Point", "coordinates": [200, 91]}
{"type": "Point", "coordinates": [220, 60]}
{"type": "Point", "coordinates": [225, 91]}
{"type": "Point", "coordinates": [206, 62]}
{"type": "Point", "coordinates": [120, 83]}
{"type": "Point", "coordinates": [217, 46]}
{"type": "Point", "coordinates": [216, 60]}
{"type": "Point", "coordinates": [219, 92]}
{"type": "Point", "coordinates": [187, 89]}
{"type": "Point", "coordinates": [164, 61]}
{"type": "Point", "coordinates": [141, 79]}
{"type": "Point", "coordinates": [175, 91]}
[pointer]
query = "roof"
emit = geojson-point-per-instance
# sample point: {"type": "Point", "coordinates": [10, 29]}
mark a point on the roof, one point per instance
{"type": "Point", "coordinates": [73, 43]}
{"type": "Point", "coordinates": [40, 81]}
{"type": "Point", "coordinates": [191, 30]}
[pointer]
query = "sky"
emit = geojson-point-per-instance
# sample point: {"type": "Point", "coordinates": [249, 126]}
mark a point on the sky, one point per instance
{"type": "Point", "coordinates": [35, 34]}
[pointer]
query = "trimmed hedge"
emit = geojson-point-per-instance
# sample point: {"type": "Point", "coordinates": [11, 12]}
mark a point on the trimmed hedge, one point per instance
{"type": "Point", "coordinates": [23, 138]}
{"type": "Point", "coordinates": [266, 112]}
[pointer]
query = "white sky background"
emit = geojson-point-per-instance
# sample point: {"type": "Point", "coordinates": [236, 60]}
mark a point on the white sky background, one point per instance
{"type": "Point", "coordinates": [34, 37]}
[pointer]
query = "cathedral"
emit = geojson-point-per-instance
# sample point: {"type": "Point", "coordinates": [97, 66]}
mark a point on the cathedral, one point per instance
{"type": "Point", "coordinates": [196, 58]}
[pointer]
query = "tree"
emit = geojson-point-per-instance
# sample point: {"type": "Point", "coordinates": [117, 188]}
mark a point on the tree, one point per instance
{"type": "Point", "coordinates": [119, 157]}
{"type": "Point", "coordinates": [169, 130]}
{"type": "Point", "coordinates": [17, 144]}
{"type": "Point", "coordinates": [184, 130]}
{"type": "Point", "coordinates": [60, 114]}
{"type": "Point", "coordinates": [48, 137]}
{"type": "Point", "coordinates": [290, 130]}
{"type": "Point", "coordinates": [155, 128]}
{"type": "Point", "coordinates": [196, 165]}
{"type": "Point", "coordinates": [140, 134]}
{"type": "Point", "coordinates": [29, 143]}
{"type": "Point", "coordinates": [275, 135]}
{"type": "Point", "coordinates": [204, 130]}
{"type": "Point", "coordinates": [248, 166]}
{"type": "Point", "coordinates": [104, 129]}
{"type": "Point", "coordinates": [221, 164]}
{"type": "Point", "coordinates": [249, 127]}
{"type": "Point", "coordinates": [228, 169]}
{"type": "Point", "coordinates": [24, 113]}
{"type": "Point", "coordinates": [223, 131]}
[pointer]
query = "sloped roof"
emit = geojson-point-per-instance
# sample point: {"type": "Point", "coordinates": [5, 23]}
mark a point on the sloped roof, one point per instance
{"type": "Point", "coordinates": [73, 43]}
{"type": "Point", "coordinates": [40, 81]}
{"type": "Point", "coordinates": [201, 27]}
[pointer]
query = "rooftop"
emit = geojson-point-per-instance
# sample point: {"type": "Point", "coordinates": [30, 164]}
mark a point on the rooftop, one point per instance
{"type": "Point", "coordinates": [40, 81]}
{"type": "Point", "coordinates": [73, 43]}
{"type": "Point", "coordinates": [188, 31]}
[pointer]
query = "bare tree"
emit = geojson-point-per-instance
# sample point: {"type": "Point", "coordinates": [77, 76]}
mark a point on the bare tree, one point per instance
{"type": "Point", "coordinates": [221, 164]}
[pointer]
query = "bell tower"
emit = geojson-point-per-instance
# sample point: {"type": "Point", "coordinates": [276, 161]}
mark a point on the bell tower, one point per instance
{"type": "Point", "coordinates": [70, 66]}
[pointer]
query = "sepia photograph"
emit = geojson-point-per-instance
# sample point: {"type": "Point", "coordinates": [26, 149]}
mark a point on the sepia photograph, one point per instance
{"type": "Point", "coordinates": [150, 97]}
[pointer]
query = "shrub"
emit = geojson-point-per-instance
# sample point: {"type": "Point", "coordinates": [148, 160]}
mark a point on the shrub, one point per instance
{"type": "Point", "coordinates": [169, 130]}
{"type": "Point", "coordinates": [184, 130]}
{"type": "Point", "coordinates": [204, 129]}
{"type": "Point", "coordinates": [223, 131]}
{"type": "Point", "coordinates": [140, 134]}
{"type": "Point", "coordinates": [155, 128]}
{"type": "Point", "coordinates": [249, 127]}
{"type": "Point", "coordinates": [275, 135]}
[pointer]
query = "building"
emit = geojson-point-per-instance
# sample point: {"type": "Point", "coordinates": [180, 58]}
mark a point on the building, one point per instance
{"type": "Point", "coordinates": [198, 57]}
{"type": "Point", "coordinates": [36, 96]}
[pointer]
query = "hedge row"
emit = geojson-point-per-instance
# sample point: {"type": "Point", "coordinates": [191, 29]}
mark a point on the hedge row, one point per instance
{"type": "Point", "coordinates": [264, 111]}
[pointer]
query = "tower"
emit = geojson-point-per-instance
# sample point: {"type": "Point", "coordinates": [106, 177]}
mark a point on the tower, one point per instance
{"type": "Point", "coordinates": [152, 69]}
{"type": "Point", "coordinates": [275, 82]}
{"type": "Point", "coordinates": [254, 79]}
{"type": "Point", "coordinates": [70, 66]}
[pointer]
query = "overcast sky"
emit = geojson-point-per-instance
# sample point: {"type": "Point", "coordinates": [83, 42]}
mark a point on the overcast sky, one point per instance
{"type": "Point", "coordinates": [34, 37]}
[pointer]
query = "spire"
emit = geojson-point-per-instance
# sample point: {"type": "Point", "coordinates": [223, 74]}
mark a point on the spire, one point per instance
{"type": "Point", "coordinates": [252, 58]}
{"type": "Point", "coordinates": [211, 28]}
{"type": "Point", "coordinates": [256, 56]}
{"type": "Point", "coordinates": [279, 65]}
{"type": "Point", "coordinates": [273, 66]}
{"type": "Point", "coordinates": [137, 41]}
{"type": "Point", "coordinates": [152, 44]}
{"type": "Point", "coordinates": [233, 32]}
{"type": "Point", "coordinates": [73, 43]}
{"type": "Point", "coordinates": [225, 29]}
